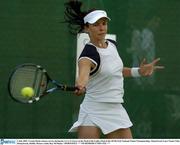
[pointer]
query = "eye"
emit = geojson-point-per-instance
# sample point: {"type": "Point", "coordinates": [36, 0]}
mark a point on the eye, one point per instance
{"type": "Point", "coordinates": [95, 24]}
{"type": "Point", "coordinates": [104, 23]}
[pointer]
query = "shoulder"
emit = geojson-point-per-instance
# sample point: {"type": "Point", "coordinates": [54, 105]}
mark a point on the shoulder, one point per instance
{"type": "Point", "coordinates": [90, 52]}
{"type": "Point", "coordinates": [89, 49]}
{"type": "Point", "coordinates": [113, 42]}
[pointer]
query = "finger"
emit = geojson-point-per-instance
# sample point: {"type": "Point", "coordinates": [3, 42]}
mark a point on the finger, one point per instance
{"type": "Point", "coordinates": [143, 62]}
{"type": "Point", "coordinates": [80, 90]}
{"type": "Point", "coordinates": [149, 73]}
{"type": "Point", "coordinates": [155, 61]}
{"type": "Point", "coordinates": [76, 92]}
{"type": "Point", "coordinates": [159, 67]}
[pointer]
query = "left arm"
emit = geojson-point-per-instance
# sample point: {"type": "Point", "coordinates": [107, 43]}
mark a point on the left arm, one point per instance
{"type": "Point", "coordinates": [126, 72]}
{"type": "Point", "coordinates": [143, 70]}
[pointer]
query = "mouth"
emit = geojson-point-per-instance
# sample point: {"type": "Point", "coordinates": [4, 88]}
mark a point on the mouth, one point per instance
{"type": "Point", "coordinates": [102, 34]}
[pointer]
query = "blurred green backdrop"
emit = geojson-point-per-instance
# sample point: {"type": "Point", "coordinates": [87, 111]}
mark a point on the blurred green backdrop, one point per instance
{"type": "Point", "coordinates": [31, 31]}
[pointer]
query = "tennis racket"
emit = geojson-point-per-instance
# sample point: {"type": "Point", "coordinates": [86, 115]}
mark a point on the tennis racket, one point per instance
{"type": "Point", "coordinates": [35, 77]}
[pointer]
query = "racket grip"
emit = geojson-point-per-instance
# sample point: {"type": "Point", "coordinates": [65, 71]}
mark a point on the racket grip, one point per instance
{"type": "Point", "coordinates": [69, 88]}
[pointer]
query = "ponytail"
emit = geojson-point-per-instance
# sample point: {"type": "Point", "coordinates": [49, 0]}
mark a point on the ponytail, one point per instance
{"type": "Point", "coordinates": [74, 16]}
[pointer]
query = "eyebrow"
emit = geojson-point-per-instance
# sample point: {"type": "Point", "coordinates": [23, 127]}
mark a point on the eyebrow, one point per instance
{"type": "Point", "coordinates": [102, 21]}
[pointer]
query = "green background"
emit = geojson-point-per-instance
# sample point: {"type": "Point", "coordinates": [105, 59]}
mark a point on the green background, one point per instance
{"type": "Point", "coordinates": [31, 31]}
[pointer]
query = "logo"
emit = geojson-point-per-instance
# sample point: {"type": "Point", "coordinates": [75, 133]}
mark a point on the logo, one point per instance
{"type": "Point", "coordinates": [7, 141]}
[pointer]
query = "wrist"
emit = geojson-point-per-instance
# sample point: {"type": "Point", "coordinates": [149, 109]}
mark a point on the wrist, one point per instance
{"type": "Point", "coordinates": [135, 72]}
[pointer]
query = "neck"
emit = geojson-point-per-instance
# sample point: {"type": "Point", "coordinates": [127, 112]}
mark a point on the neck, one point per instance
{"type": "Point", "coordinates": [100, 43]}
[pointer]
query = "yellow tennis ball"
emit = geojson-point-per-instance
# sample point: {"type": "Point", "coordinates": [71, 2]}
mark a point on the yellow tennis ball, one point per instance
{"type": "Point", "coordinates": [27, 92]}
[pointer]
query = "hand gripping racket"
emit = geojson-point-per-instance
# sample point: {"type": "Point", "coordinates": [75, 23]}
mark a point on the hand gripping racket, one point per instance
{"type": "Point", "coordinates": [35, 77]}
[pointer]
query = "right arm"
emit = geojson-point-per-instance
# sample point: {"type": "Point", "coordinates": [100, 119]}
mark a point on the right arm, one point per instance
{"type": "Point", "coordinates": [85, 66]}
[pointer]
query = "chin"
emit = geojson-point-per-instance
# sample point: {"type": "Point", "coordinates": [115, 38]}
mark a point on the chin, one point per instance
{"type": "Point", "coordinates": [101, 37]}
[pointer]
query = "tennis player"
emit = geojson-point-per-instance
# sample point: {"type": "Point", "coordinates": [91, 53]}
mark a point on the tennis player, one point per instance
{"type": "Point", "coordinates": [101, 75]}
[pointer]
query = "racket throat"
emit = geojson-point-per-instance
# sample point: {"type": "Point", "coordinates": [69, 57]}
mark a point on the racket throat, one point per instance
{"type": "Point", "coordinates": [60, 86]}
{"type": "Point", "coordinates": [52, 90]}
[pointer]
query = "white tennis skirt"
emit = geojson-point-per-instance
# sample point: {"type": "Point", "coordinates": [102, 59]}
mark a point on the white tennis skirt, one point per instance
{"type": "Point", "coordinates": [106, 116]}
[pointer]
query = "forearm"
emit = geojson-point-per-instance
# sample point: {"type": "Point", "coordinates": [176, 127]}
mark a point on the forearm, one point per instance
{"type": "Point", "coordinates": [82, 80]}
{"type": "Point", "coordinates": [84, 71]}
{"type": "Point", "coordinates": [83, 76]}
{"type": "Point", "coordinates": [126, 72]}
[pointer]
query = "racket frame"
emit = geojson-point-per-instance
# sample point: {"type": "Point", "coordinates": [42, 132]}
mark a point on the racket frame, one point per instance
{"type": "Point", "coordinates": [57, 86]}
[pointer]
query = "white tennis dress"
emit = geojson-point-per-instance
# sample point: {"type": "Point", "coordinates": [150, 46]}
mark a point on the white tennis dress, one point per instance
{"type": "Point", "coordinates": [102, 104]}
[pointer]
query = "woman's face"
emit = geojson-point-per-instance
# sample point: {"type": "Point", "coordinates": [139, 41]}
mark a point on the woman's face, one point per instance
{"type": "Point", "coordinates": [98, 30]}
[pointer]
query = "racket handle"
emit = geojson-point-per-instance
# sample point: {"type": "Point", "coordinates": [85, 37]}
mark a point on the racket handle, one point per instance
{"type": "Point", "coordinates": [64, 87]}
{"type": "Point", "coordinates": [69, 88]}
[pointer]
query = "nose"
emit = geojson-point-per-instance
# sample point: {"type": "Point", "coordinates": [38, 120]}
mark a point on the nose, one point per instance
{"type": "Point", "coordinates": [101, 27]}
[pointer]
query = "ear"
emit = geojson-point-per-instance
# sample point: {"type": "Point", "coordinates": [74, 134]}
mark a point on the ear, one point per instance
{"type": "Point", "coordinates": [86, 28]}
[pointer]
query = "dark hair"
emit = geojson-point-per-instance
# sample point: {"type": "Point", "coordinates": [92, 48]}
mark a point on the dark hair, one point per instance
{"type": "Point", "coordinates": [74, 16]}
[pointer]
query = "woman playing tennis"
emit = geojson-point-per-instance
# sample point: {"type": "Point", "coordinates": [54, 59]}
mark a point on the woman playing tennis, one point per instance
{"type": "Point", "coordinates": [101, 76]}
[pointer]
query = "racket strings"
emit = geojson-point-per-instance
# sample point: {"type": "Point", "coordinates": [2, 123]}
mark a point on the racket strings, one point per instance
{"type": "Point", "coordinates": [28, 76]}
